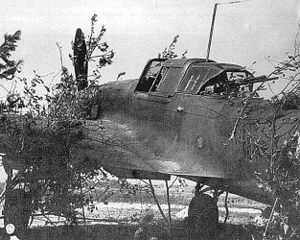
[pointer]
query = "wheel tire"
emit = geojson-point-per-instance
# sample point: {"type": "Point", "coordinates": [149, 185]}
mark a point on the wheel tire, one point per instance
{"type": "Point", "coordinates": [203, 214]}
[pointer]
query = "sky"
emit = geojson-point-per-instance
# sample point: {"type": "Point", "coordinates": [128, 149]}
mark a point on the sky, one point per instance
{"type": "Point", "coordinates": [254, 30]}
{"type": "Point", "coordinates": [138, 30]}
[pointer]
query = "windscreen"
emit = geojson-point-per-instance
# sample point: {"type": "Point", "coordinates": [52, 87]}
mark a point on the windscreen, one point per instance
{"type": "Point", "coordinates": [149, 74]}
{"type": "Point", "coordinates": [194, 78]}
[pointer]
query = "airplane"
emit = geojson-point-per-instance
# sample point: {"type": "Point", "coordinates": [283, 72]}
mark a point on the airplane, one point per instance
{"type": "Point", "coordinates": [192, 118]}
{"type": "Point", "coordinates": [189, 117]}
{"type": "Point", "coordinates": [185, 118]}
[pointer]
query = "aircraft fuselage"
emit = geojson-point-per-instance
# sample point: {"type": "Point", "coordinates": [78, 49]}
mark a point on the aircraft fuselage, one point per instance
{"type": "Point", "coordinates": [177, 120]}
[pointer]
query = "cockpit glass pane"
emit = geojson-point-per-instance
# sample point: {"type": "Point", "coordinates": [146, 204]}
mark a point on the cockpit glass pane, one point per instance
{"type": "Point", "coordinates": [159, 78]}
{"type": "Point", "coordinates": [149, 74]}
{"type": "Point", "coordinates": [153, 69]}
{"type": "Point", "coordinates": [192, 79]}
{"type": "Point", "coordinates": [236, 76]}
{"type": "Point", "coordinates": [227, 83]}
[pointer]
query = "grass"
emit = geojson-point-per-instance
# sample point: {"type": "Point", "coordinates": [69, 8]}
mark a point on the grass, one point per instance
{"type": "Point", "coordinates": [126, 232]}
{"type": "Point", "coordinates": [238, 228]}
{"type": "Point", "coordinates": [179, 195]}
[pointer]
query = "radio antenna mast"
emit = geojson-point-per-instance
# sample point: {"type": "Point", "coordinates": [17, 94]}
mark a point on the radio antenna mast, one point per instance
{"type": "Point", "coordinates": [213, 23]}
{"type": "Point", "coordinates": [211, 31]}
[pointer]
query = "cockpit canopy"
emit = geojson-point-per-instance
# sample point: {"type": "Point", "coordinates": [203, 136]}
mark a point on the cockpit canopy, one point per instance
{"type": "Point", "coordinates": [192, 76]}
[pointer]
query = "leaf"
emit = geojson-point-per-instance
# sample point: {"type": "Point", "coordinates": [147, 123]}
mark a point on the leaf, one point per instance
{"type": "Point", "coordinates": [285, 228]}
{"type": "Point", "coordinates": [47, 88]}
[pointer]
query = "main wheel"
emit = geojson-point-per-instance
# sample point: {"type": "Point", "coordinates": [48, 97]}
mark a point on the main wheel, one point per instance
{"type": "Point", "coordinates": [203, 214]}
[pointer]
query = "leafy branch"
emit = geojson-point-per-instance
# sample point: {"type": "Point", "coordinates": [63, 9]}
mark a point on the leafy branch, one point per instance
{"type": "Point", "coordinates": [169, 51]}
{"type": "Point", "coordinates": [8, 67]}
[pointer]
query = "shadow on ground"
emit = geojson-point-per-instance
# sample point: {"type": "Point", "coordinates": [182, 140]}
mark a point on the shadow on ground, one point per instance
{"type": "Point", "coordinates": [126, 232]}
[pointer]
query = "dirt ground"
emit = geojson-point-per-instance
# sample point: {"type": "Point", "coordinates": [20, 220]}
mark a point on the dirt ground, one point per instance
{"type": "Point", "coordinates": [120, 216]}
{"type": "Point", "coordinates": [126, 232]}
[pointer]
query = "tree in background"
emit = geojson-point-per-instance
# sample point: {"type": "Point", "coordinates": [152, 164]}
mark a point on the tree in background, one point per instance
{"type": "Point", "coordinates": [38, 141]}
{"type": "Point", "coordinates": [282, 152]}
{"type": "Point", "coordinates": [276, 142]}
{"type": "Point", "coordinates": [8, 67]}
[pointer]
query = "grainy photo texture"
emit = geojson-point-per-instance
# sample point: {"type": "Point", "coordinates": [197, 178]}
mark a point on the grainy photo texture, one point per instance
{"type": "Point", "coordinates": [150, 120]}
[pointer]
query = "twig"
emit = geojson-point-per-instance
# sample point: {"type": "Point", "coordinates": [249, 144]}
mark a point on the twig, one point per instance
{"type": "Point", "coordinates": [173, 182]}
{"type": "Point", "coordinates": [226, 208]}
{"type": "Point", "coordinates": [4, 88]}
{"type": "Point", "coordinates": [60, 54]}
{"type": "Point", "coordinates": [99, 220]}
{"type": "Point", "coordinates": [157, 203]}
{"type": "Point", "coordinates": [147, 184]}
{"type": "Point", "coordinates": [168, 200]}
{"type": "Point", "coordinates": [293, 233]}
{"type": "Point", "coordinates": [270, 218]}
{"type": "Point", "coordinates": [48, 219]}
{"type": "Point", "coordinates": [238, 121]}
{"type": "Point", "coordinates": [273, 138]}
{"type": "Point", "coordinates": [82, 203]}
{"type": "Point", "coordinates": [54, 77]}
{"type": "Point", "coordinates": [245, 105]}
{"type": "Point", "coordinates": [97, 56]}
{"type": "Point", "coordinates": [91, 187]}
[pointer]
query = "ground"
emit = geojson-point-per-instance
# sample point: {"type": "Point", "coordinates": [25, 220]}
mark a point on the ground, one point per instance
{"type": "Point", "coordinates": [120, 216]}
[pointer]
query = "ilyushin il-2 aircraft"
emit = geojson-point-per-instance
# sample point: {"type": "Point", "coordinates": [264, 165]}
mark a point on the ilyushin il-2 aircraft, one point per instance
{"type": "Point", "coordinates": [192, 118]}
{"type": "Point", "coordinates": [187, 118]}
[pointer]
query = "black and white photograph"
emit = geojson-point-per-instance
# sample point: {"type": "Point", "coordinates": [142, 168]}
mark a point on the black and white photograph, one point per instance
{"type": "Point", "coordinates": [150, 120]}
